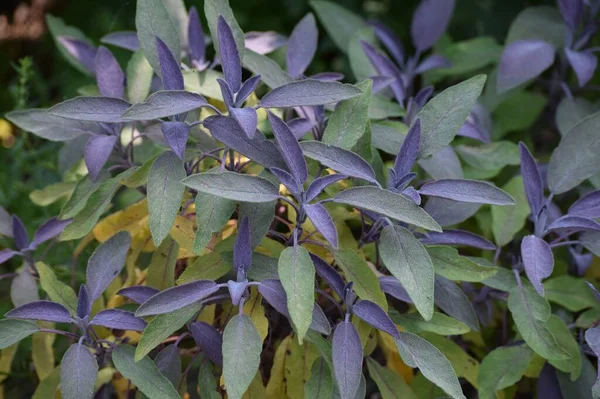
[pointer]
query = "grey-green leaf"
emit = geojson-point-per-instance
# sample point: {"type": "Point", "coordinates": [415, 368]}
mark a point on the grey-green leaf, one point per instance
{"type": "Point", "coordinates": [78, 373]}
{"type": "Point", "coordinates": [241, 355]}
{"type": "Point", "coordinates": [320, 383]}
{"type": "Point", "coordinates": [308, 92]}
{"type": "Point", "coordinates": [349, 120]}
{"type": "Point", "coordinates": [152, 20]}
{"type": "Point", "coordinates": [339, 23]}
{"type": "Point", "coordinates": [501, 368]}
{"type": "Point", "coordinates": [260, 216]}
{"type": "Point", "coordinates": [212, 213]}
{"type": "Point", "coordinates": [139, 77]}
{"type": "Point", "coordinates": [297, 275]}
{"type": "Point", "coordinates": [234, 186]}
{"type": "Point", "coordinates": [407, 259]}
{"type": "Point", "coordinates": [577, 157]}
{"type": "Point", "coordinates": [443, 115]}
{"type": "Point", "coordinates": [390, 384]}
{"type": "Point", "coordinates": [418, 352]}
{"type": "Point", "coordinates": [14, 330]}
{"type": "Point", "coordinates": [212, 10]}
{"type": "Point", "coordinates": [143, 373]}
{"type": "Point", "coordinates": [164, 194]}
{"type": "Point", "coordinates": [387, 203]}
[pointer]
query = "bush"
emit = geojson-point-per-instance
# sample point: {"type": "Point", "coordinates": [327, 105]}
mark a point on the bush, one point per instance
{"type": "Point", "coordinates": [264, 233]}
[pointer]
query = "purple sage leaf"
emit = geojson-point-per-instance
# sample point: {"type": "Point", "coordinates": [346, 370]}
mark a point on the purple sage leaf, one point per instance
{"type": "Point", "coordinates": [6, 254]}
{"type": "Point", "coordinates": [385, 67]}
{"type": "Point", "coordinates": [463, 190]}
{"type": "Point", "coordinates": [571, 224]}
{"type": "Point", "coordinates": [170, 70]}
{"type": "Point", "coordinates": [125, 39]}
{"type": "Point", "coordinates": [319, 184]}
{"type": "Point", "coordinates": [429, 22]}
{"type": "Point", "coordinates": [458, 237]}
{"type": "Point", "coordinates": [323, 222]}
{"type": "Point", "coordinates": [287, 180]}
{"type": "Point", "coordinates": [19, 233]}
{"type": "Point", "coordinates": [83, 52]}
{"type": "Point", "coordinates": [41, 310]}
{"type": "Point", "coordinates": [308, 92]}
{"type": "Point", "coordinates": [391, 286]}
{"type": "Point", "coordinates": [302, 46]}
{"type": "Point", "coordinates": [78, 373]}
{"type": "Point", "coordinates": [176, 134]}
{"type": "Point", "coordinates": [109, 75]}
{"type": "Point", "coordinates": [264, 42]}
{"type": "Point", "coordinates": [273, 292]}
{"type": "Point", "coordinates": [84, 304]}
{"type": "Point", "coordinates": [247, 88]}
{"type": "Point", "coordinates": [290, 149]}
{"type": "Point", "coordinates": [177, 297]}
{"type": "Point", "coordinates": [532, 180]}
{"type": "Point", "coordinates": [584, 64]}
{"type": "Point", "coordinates": [521, 61]}
{"type": "Point", "coordinates": [96, 152]}
{"type": "Point", "coordinates": [347, 357]}
{"type": "Point", "coordinates": [587, 206]}
{"type": "Point", "coordinates": [538, 261]}
{"type": "Point", "coordinates": [434, 61]}
{"type": "Point", "coordinates": [138, 293]}
{"type": "Point", "coordinates": [390, 40]}
{"type": "Point", "coordinates": [246, 118]}
{"type": "Point", "coordinates": [196, 45]}
{"type": "Point", "coordinates": [409, 150]}
{"type": "Point", "coordinates": [118, 319]}
{"type": "Point", "coordinates": [93, 109]}
{"type": "Point", "coordinates": [50, 229]}
{"type": "Point", "coordinates": [165, 103]}
{"type": "Point", "coordinates": [230, 57]}
{"type": "Point", "coordinates": [209, 340]}
{"type": "Point", "coordinates": [242, 250]}
{"type": "Point", "coordinates": [329, 274]}
{"type": "Point", "coordinates": [372, 314]}
{"type": "Point", "coordinates": [571, 10]}
{"type": "Point", "coordinates": [106, 263]}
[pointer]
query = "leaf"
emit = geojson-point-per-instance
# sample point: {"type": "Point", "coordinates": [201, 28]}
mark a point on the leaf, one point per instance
{"type": "Point", "coordinates": [438, 324]}
{"type": "Point", "coordinates": [450, 297]}
{"type": "Point", "coordinates": [176, 134]}
{"type": "Point", "coordinates": [23, 288]}
{"type": "Point", "coordinates": [229, 55]}
{"type": "Point", "coordinates": [347, 357]}
{"type": "Point", "coordinates": [308, 92]}
{"type": "Point", "coordinates": [449, 264]}
{"type": "Point", "coordinates": [164, 103]}
{"type": "Point", "coordinates": [270, 72]}
{"type": "Point", "coordinates": [338, 159]}
{"type": "Point", "coordinates": [390, 384]}
{"type": "Point", "coordinates": [569, 292]}
{"type": "Point", "coordinates": [98, 201]}
{"type": "Point", "coordinates": [357, 271]}
{"type": "Point", "coordinates": [521, 61]}
{"type": "Point", "coordinates": [14, 330]}
{"type": "Point", "coordinates": [241, 355]}
{"type": "Point", "coordinates": [42, 353]}
{"type": "Point", "coordinates": [443, 115]}
{"type": "Point", "coordinates": [162, 326]}
{"type": "Point", "coordinates": [538, 260]}
{"type": "Point", "coordinates": [233, 186]}
{"type": "Point", "coordinates": [417, 352]}
{"type": "Point", "coordinates": [259, 149]}
{"type": "Point", "coordinates": [540, 22]}
{"type": "Point", "coordinates": [211, 215]}
{"type": "Point", "coordinates": [50, 127]}
{"type": "Point", "coordinates": [387, 203]}
{"type": "Point", "coordinates": [78, 373]}
{"type": "Point", "coordinates": [83, 60]}
{"type": "Point", "coordinates": [507, 221]}
{"type": "Point", "coordinates": [212, 10]}
{"type": "Point", "coordinates": [406, 258]}
{"type": "Point", "coordinates": [532, 180]}
{"type": "Point", "coordinates": [372, 314]}
{"type": "Point", "coordinates": [106, 263]}
{"type": "Point", "coordinates": [164, 194]}
{"type": "Point", "coordinates": [569, 112]}
{"type": "Point", "coordinates": [260, 216]}
{"type": "Point", "coordinates": [587, 206]}
{"type": "Point", "coordinates": [57, 291]}
{"type": "Point", "coordinates": [168, 362]}
{"type": "Point", "coordinates": [491, 156]}
{"type": "Point", "coordinates": [302, 46]}
{"type": "Point", "coordinates": [473, 191]}
{"type": "Point", "coordinates": [457, 238]}
{"type": "Point", "coordinates": [566, 341]}
{"type": "Point", "coordinates": [289, 147]}
{"type": "Point", "coordinates": [429, 22]}
{"type": "Point", "coordinates": [92, 109]}
{"type": "Point", "coordinates": [530, 313]}
{"type": "Point", "coordinates": [577, 156]}
{"type": "Point", "coordinates": [139, 78]}
{"type": "Point", "coordinates": [177, 297]}
{"type": "Point", "coordinates": [297, 275]}
{"type": "Point", "coordinates": [320, 383]}
{"type": "Point", "coordinates": [502, 368]}
{"type": "Point", "coordinates": [349, 120]}
{"type": "Point", "coordinates": [143, 373]}
{"type": "Point", "coordinates": [340, 23]}
{"type": "Point", "coordinates": [152, 20]}
{"type": "Point", "coordinates": [118, 319]}
{"type": "Point", "coordinates": [209, 340]}
{"type": "Point", "coordinates": [48, 386]}
{"type": "Point", "coordinates": [79, 197]}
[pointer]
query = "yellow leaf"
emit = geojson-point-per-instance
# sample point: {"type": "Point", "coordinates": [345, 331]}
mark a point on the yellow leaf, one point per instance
{"type": "Point", "coordinates": [276, 384]}
{"type": "Point", "coordinates": [131, 219]}
{"type": "Point", "coordinates": [105, 375]}
{"type": "Point", "coordinates": [42, 352]}
{"type": "Point", "coordinates": [207, 314]}
{"type": "Point", "coordinates": [6, 358]}
{"type": "Point", "coordinates": [52, 193]}
{"type": "Point", "coordinates": [254, 309]}
{"type": "Point", "coordinates": [183, 233]}
{"type": "Point", "coordinates": [256, 390]}
{"type": "Point", "coordinates": [297, 366]}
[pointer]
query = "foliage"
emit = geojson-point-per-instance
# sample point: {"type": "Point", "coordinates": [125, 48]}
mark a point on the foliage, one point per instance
{"type": "Point", "coordinates": [256, 230]}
